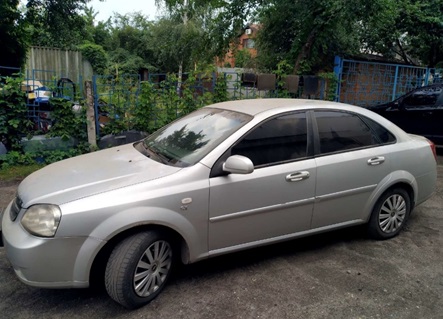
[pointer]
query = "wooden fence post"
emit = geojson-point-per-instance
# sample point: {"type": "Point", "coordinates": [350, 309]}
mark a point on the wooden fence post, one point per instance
{"type": "Point", "coordinates": [90, 116]}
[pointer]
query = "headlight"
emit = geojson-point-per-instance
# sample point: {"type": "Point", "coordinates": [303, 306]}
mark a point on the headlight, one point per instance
{"type": "Point", "coordinates": [42, 220]}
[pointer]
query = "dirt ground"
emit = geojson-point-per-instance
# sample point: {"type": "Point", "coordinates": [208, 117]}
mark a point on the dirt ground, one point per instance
{"type": "Point", "coordinates": [336, 275]}
{"type": "Point", "coordinates": [7, 191]}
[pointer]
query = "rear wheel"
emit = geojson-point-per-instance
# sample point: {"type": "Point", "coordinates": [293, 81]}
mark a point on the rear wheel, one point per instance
{"type": "Point", "coordinates": [139, 268]}
{"type": "Point", "coordinates": [390, 214]}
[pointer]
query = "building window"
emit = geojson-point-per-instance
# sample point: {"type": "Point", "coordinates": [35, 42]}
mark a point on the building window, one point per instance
{"type": "Point", "coordinates": [248, 44]}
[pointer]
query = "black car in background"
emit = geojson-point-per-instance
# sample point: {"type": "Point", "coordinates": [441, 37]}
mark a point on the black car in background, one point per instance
{"type": "Point", "coordinates": [418, 112]}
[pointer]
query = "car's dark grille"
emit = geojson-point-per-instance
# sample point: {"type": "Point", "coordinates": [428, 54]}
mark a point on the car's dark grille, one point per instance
{"type": "Point", "coordinates": [15, 208]}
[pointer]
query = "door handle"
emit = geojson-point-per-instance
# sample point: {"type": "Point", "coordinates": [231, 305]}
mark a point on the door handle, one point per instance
{"type": "Point", "coordinates": [297, 176]}
{"type": "Point", "coordinates": [376, 160]}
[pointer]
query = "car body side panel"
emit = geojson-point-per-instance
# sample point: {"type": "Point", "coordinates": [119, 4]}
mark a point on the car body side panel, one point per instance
{"type": "Point", "coordinates": [389, 181]}
{"type": "Point", "coordinates": [90, 222]}
{"type": "Point", "coordinates": [139, 216]}
{"type": "Point", "coordinates": [260, 205]}
{"type": "Point", "coordinates": [345, 181]}
{"type": "Point", "coordinates": [179, 202]}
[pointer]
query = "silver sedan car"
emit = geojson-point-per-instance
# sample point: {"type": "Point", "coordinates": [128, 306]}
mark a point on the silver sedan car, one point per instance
{"type": "Point", "coordinates": [224, 178]}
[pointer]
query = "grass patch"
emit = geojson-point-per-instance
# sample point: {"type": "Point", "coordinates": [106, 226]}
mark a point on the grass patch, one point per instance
{"type": "Point", "coordinates": [18, 172]}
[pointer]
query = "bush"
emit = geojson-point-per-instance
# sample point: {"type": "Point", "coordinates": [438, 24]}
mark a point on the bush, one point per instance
{"type": "Point", "coordinates": [15, 158]}
{"type": "Point", "coordinates": [96, 55]}
{"type": "Point", "coordinates": [14, 122]}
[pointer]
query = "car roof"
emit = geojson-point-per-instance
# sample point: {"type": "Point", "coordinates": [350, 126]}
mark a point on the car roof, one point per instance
{"type": "Point", "coordinates": [256, 106]}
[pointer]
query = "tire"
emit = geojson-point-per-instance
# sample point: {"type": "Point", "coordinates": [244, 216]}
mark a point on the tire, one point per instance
{"type": "Point", "coordinates": [138, 268]}
{"type": "Point", "coordinates": [390, 214]}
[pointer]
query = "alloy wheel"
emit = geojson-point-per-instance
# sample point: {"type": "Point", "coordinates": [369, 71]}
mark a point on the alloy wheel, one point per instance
{"type": "Point", "coordinates": [392, 213]}
{"type": "Point", "coordinates": [152, 268]}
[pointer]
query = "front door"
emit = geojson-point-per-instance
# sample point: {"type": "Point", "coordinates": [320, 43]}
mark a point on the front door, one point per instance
{"type": "Point", "coordinates": [277, 198]}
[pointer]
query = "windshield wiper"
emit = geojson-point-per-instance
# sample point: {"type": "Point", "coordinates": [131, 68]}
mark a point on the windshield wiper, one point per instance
{"type": "Point", "coordinates": [163, 158]}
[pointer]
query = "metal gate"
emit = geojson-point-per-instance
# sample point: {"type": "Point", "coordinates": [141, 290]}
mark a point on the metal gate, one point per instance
{"type": "Point", "coordinates": [370, 83]}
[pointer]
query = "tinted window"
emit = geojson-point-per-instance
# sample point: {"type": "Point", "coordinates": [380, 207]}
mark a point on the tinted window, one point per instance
{"type": "Point", "coordinates": [383, 135]}
{"type": "Point", "coordinates": [422, 97]}
{"type": "Point", "coordinates": [340, 131]}
{"type": "Point", "coordinates": [277, 140]}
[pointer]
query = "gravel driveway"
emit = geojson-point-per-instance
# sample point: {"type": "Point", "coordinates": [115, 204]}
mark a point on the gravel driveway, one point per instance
{"type": "Point", "coordinates": [336, 275]}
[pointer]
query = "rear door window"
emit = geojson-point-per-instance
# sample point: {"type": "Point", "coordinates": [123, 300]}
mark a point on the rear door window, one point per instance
{"type": "Point", "coordinates": [383, 135]}
{"type": "Point", "coordinates": [340, 131]}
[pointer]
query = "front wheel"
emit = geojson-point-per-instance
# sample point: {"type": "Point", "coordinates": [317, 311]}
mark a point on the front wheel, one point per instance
{"type": "Point", "coordinates": [390, 214]}
{"type": "Point", "coordinates": [138, 268]}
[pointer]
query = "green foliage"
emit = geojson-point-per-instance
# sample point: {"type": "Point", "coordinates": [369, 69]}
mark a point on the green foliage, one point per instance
{"type": "Point", "coordinates": [123, 62]}
{"type": "Point", "coordinates": [193, 94]}
{"type": "Point", "coordinates": [310, 33]}
{"type": "Point", "coordinates": [120, 95]}
{"type": "Point", "coordinates": [243, 59]}
{"type": "Point", "coordinates": [157, 104]}
{"type": "Point", "coordinates": [128, 40]}
{"type": "Point", "coordinates": [145, 117]}
{"type": "Point", "coordinates": [307, 33]}
{"type": "Point", "coordinates": [14, 125]}
{"type": "Point", "coordinates": [410, 29]}
{"type": "Point", "coordinates": [16, 158]}
{"type": "Point", "coordinates": [14, 122]}
{"type": "Point", "coordinates": [96, 55]}
{"type": "Point", "coordinates": [13, 36]}
{"type": "Point", "coordinates": [221, 89]}
{"type": "Point", "coordinates": [16, 172]}
{"type": "Point", "coordinates": [57, 24]}
{"type": "Point", "coordinates": [67, 123]}
{"type": "Point", "coordinates": [177, 44]}
{"type": "Point", "coordinates": [283, 70]}
{"type": "Point", "coordinates": [101, 34]}
{"type": "Point", "coordinates": [331, 85]}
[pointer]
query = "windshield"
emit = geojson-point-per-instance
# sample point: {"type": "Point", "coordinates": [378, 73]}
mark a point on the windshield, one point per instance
{"type": "Point", "coordinates": [187, 140]}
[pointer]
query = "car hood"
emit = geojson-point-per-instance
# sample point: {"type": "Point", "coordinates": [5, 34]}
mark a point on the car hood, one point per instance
{"type": "Point", "coordinates": [90, 174]}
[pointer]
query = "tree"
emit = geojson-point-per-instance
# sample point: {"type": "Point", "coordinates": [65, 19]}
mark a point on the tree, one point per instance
{"type": "Point", "coordinates": [96, 55]}
{"type": "Point", "coordinates": [131, 43]}
{"type": "Point", "coordinates": [410, 29]}
{"type": "Point", "coordinates": [57, 23]}
{"type": "Point", "coordinates": [176, 46]}
{"type": "Point", "coordinates": [13, 36]}
{"type": "Point", "coordinates": [244, 59]}
{"type": "Point", "coordinates": [310, 33]}
{"type": "Point", "coordinates": [190, 22]}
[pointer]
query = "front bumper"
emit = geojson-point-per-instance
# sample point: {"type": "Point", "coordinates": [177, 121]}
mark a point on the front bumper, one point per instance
{"type": "Point", "coordinates": [47, 262]}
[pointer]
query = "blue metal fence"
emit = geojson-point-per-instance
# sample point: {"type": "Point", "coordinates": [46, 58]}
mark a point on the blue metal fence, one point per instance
{"type": "Point", "coordinates": [38, 90]}
{"type": "Point", "coordinates": [370, 83]}
{"type": "Point", "coordinates": [116, 98]}
{"type": "Point", "coordinates": [113, 97]}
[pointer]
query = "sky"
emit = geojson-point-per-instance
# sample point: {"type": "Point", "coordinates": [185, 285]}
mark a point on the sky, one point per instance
{"type": "Point", "coordinates": [107, 8]}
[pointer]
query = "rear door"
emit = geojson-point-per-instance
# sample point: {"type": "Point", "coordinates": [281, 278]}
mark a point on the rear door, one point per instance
{"type": "Point", "coordinates": [352, 158]}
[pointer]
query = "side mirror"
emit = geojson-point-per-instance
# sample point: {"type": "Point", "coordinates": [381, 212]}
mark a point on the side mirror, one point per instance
{"type": "Point", "coordinates": [237, 164]}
